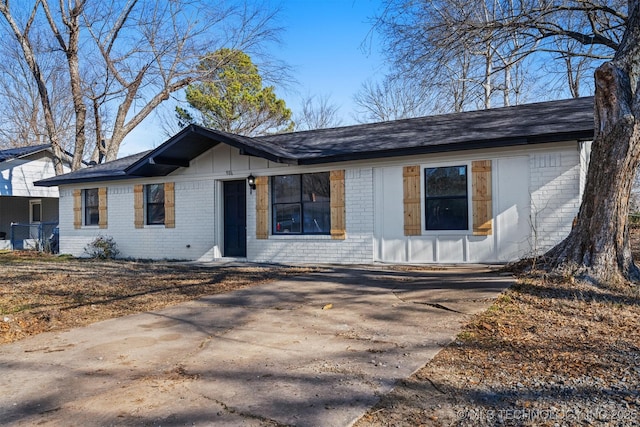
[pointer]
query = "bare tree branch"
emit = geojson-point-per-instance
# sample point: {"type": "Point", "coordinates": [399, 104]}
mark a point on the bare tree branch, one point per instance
{"type": "Point", "coordinates": [125, 57]}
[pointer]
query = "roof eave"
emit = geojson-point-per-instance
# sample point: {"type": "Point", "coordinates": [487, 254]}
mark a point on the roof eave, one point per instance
{"type": "Point", "coordinates": [54, 182]}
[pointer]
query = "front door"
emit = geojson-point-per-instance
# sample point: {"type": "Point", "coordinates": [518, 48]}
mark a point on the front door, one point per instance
{"type": "Point", "coordinates": [235, 218]}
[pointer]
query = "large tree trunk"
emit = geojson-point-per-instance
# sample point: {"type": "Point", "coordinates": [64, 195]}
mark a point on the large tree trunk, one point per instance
{"type": "Point", "coordinates": [598, 247]}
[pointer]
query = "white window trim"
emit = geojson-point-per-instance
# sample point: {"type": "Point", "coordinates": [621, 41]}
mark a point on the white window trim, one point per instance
{"type": "Point", "coordinates": [31, 204]}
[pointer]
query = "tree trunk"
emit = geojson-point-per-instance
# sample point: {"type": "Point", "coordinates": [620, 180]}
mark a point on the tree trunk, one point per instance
{"type": "Point", "coordinates": [598, 248]}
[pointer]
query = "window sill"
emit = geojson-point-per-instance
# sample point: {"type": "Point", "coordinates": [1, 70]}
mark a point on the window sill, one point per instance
{"type": "Point", "coordinates": [299, 237]}
{"type": "Point", "coordinates": [447, 233]}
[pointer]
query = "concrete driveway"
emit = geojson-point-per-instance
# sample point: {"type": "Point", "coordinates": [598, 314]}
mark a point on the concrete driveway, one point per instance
{"type": "Point", "coordinates": [315, 350]}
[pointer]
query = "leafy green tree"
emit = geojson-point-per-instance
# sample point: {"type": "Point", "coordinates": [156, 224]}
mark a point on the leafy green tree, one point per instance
{"type": "Point", "coordinates": [233, 99]}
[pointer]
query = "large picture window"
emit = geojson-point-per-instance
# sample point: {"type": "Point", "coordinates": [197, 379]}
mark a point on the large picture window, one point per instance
{"type": "Point", "coordinates": [91, 206]}
{"type": "Point", "coordinates": [154, 197]}
{"type": "Point", "coordinates": [301, 204]}
{"type": "Point", "coordinates": [446, 198]}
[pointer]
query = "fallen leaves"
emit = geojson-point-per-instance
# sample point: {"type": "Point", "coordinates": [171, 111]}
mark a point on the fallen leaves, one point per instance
{"type": "Point", "coordinates": [559, 347]}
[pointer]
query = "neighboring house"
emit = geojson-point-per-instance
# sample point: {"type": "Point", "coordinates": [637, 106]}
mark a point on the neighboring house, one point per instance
{"type": "Point", "coordinates": [20, 201]}
{"type": "Point", "coordinates": [474, 187]}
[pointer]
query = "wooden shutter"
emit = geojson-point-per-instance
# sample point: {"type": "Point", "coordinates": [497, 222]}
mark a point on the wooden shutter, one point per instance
{"type": "Point", "coordinates": [102, 207]}
{"type": "Point", "coordinates": [262, 207]}
{"type": "Point", "coordinates": [77, 208]}
{"type": "Point", "coordinates": [481, 198]}
{"type": "Point", "coordinates": [411, 199]}
{"type": "Point", "coordinates": [169, 205]}
{"type": "Point", "coordinates": [338, 216]}
{"type": "Point", "coordinates": [138, 205]}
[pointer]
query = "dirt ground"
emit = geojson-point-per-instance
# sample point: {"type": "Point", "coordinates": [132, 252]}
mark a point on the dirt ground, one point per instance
{"type": "Point", "coordinates": [548, 352]}
{"type": "Point", "coordinates": [40, 292]}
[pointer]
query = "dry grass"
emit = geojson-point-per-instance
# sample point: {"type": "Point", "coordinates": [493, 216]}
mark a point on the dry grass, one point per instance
{"type": "Point", "coordinates": [557, 353]}
{"type": "Point", "coordinates": [43, 293]}
{"type": "Point", "coordinates": [542, 346]}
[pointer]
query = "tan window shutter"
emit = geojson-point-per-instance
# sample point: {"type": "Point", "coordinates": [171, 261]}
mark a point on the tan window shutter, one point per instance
{"type": "Point", "coordinates": [411, 199]}
{"type": "Point", "coordinates": [77, 208]}
{"type": "Point", "coordinates": [262, 207]}
{"type": "Point", "coordinates": [138, 205]}
{"type": "Point", "coordinates": [481, 198]}
{"type": "Point", "coordinates": [102, 207]}
{"type": "Point", "coordinates": [338, 215]}
{"type": "Point", "coordinates": [169, 205]}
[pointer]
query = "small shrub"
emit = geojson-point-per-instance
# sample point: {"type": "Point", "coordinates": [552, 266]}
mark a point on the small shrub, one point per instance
{"type": "Point", "coordinates": [102, 247]}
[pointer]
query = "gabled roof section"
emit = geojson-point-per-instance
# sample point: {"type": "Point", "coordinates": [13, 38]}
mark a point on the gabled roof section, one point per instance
{"type": "Point", "coordinates": [543, 122]}
{"type": "Point", "coordinates": [193, 141]}
{"type": "Point", "coordinates": [16, 153]}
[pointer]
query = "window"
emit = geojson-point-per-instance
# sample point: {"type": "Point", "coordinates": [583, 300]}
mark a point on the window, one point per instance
{"type": "Point", "coordinates": [35, 211]}
{"type": "Point", "coordinates": [154, 196]}
{"type": "Point", "coordinates": [91, 206]}
{"type": "Point", "coordinates": [301, 204]}
{"type": "Point", "coordinates": [446, 200]}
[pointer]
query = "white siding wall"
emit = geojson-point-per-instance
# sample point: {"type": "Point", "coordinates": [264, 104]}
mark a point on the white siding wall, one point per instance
{"type": "Point", "coordinates": [199, 217]}
{"type": "Point", "coordinates": [16, 190]}
{"type": "Point", "coordinates": [17, 177]}
{"type": "Point", "coordinates": [536, 195]}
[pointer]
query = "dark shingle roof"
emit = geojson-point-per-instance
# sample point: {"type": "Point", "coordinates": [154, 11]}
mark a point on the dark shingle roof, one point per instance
{"type": "Point", "coordinates": [15, 153]}
{"type": "Point", "coordinates": [103, 172]}
{"type": "Point", "coordinates": [553, 121]}
{"type": "Point", "coordinates": [522, 124]}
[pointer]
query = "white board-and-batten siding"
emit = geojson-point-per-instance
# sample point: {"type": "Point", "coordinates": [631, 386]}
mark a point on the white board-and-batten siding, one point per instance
{"type": "Point", "coordinates": [535, 197]}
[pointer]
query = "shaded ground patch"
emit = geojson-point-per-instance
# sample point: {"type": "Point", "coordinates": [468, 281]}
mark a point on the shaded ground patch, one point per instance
{"type": "Point", "coordinates": [41, 292]}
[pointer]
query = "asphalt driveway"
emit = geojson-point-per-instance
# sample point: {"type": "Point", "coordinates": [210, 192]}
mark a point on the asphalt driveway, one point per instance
{"type": "Point", "coordinates": [315, 350]}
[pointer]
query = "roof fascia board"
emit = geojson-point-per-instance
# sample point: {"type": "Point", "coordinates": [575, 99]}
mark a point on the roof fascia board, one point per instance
{"type": "Point", "coordinates": [118, 177]}
{"type": "Point", "coordinates": [585, 135]}
{"type": "Point", "coordinates": [22, 156]}
{"type": "Point", "coordinates": [168, 161]}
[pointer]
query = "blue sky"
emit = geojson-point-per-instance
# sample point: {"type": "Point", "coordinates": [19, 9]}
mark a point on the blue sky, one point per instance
{"type": "Point", "coordinates": [322, 42]}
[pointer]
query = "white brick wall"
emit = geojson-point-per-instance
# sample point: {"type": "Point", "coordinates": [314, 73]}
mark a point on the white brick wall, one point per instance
{"type": "Point", "coordinates": [195, 234]}
{"type": "Point", "coordinates": [555, 196]}
{"type": "Point", "coordinates": [192, 237]}
{"type": "Point", "coordinates": [554, 189]}
{"type": "Point", "coordinates": [356, 248]}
